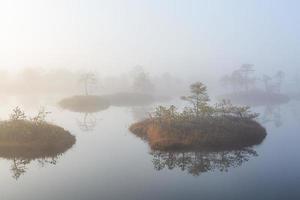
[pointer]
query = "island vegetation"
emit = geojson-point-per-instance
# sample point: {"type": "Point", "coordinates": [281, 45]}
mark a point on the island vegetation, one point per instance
{"type": "Point", "coordinates": [23, 139]}
{"type": "Point", "coordinates": [84, 104]}
{"type": "Point", "coordinates": [200, 126]}
{"type": "Point", "coordinates": [245, 88]}
{"type": "Point", "coordinates": [21, 136]}
{"type": "Point", "coordinates": [141, 94]}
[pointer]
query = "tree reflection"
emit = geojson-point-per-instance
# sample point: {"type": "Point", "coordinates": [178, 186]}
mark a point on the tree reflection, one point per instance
{"type": "Point", "coordinates": [88, 122]}
{"type": "Point", "coordinates": [272, 114]}
{"type": "Point", "coordinates": [88, 106]}
{"type": "Point", "coordinates": [20, 165]}
{"type": "Point", "coordinates": [198, 162]}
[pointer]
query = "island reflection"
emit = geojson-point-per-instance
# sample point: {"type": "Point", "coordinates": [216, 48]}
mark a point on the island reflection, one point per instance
{"type": "Point", "coordinates": [198, 162]}
{"type": "Point", "coordinates": [24, 139]}
{"type": "Point", "coordinates": [19, 165]}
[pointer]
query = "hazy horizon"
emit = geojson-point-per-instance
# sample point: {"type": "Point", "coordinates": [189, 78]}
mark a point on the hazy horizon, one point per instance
{"type": "Point", "coordinates": [186, 38]}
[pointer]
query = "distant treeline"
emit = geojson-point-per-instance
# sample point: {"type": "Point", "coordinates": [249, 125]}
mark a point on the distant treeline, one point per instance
{"type": "Point", "coordinates": [65, 81]}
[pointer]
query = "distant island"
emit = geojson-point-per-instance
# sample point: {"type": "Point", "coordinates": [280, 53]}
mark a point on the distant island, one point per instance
{"type": "Point", "coordinates": [247, 89]}
{"type": "Point", "coordinates": [84, 103]}
{"type": "Point", "coordinates": [96, 103]}
{"type": "Point", "coordinates": [201, 126]}
{"type": "Point", "coordinates": [140, 94]}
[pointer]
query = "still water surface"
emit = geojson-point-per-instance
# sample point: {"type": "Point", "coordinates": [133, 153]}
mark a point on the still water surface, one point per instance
{"type": "Point", "coordinates": [108, 162]}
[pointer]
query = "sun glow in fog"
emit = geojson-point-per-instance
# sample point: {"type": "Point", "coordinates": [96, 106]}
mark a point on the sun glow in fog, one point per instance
{"type": "Point", "coordinates": [183, 37]}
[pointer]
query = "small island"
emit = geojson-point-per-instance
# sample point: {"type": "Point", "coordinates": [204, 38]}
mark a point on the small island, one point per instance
{"type": "Point", "coordinates": [200, 126]}
{"type": "Point", "coordinates": [245, 88]}
{"type": "Point", "coordinates": [87, 103]}
{"type": "Point", "coordinates": [24, 139]}
{"type": "Point", "coordinates": [84, 104]}
{"type": "Point", "coordinates": [32, 138]}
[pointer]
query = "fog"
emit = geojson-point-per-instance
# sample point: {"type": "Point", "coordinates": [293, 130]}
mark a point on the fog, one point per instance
{"type": "Point", "coordinates": [149, 99]}
{"type": "Point", "coordinates": [190, 39]}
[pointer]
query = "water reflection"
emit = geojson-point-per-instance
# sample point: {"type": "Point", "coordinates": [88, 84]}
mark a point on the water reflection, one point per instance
{"type": "Point", "coordinates": [247, 88]}
{"type": "Point", "coordinates": [130, 99]}
{"type": "Point", "coordinates": [88, 106]}
{"type": "Point", "coordinates": [23, 141]}
{"type": "Point", "coordinates": [21, 161]}
{"type": "Point", "coordinates": [19, 166]}
{"type": "Point", "coordinates": [88, 122]}
{"type": "Point", "coordinates": [272, 114]}
{"type": "Point", "coordinates": [198, 162]}
{"type": "Point", "coordinates": [140, 112]}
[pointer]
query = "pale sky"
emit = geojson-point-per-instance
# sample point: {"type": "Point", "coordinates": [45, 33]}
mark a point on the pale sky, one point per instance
{"type": "Point", "coordinates": [184, 36]}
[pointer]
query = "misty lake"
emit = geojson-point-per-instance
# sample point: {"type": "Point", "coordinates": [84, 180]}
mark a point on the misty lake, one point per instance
{"type": "Point", "coordinates": [109, 162]}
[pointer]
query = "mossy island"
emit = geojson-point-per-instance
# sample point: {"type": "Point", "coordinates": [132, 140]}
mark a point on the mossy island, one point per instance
{"type": "Point", "coordinates": [201, 126]}
{"type": "Point", "coordinates": [84, 103]}
{"type": "Point", "coordinates": [21, 137]}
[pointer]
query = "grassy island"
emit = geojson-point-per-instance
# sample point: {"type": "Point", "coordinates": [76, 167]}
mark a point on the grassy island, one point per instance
{"type": "Point", "coordinates": [85, 103]}
{"type": "Point", "coordinates": [201, 126]}
{"type": "Point", "coordinates": [32, 138]}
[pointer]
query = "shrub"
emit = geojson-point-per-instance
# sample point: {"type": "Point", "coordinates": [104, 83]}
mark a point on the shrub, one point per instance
{"type": "Point", "coordinates": [17, 114]}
